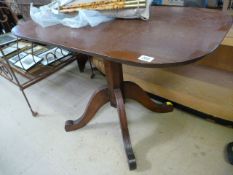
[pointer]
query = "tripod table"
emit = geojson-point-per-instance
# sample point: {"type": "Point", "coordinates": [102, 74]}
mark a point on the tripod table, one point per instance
{"type": "Point", "coordinates": [173, 36]}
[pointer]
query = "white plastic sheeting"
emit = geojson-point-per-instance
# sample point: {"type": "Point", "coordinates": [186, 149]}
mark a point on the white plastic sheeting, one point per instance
{"type": "Point", "coordinates": [48, 15]}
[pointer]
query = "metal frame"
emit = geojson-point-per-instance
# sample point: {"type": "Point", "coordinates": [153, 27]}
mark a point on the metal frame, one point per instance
{"type": "Point", "coordinates": [10, 72]}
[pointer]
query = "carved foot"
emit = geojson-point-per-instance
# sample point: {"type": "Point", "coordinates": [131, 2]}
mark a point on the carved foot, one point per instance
{"type": "Point", "coordinates": [133, 91]}
{"type": "Point", "coordinates": [124, 128]}
{"type": "Point", "coordinates": [98, 99]}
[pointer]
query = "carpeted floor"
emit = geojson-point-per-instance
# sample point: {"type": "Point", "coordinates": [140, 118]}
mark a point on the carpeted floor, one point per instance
{"type": "Point", "coordinates": [176, 143]}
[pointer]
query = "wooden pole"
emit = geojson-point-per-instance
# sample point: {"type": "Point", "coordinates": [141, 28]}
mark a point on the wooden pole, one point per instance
{"type": "Point", "coordinates": [102, 5]}
{"type": "Point", "coordinates": [105, 6]}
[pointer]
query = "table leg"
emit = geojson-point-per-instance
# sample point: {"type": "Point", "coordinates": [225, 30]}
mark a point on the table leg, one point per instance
{"type": "Point", "coordinates": [98, 99]}
{"type": "Point", "coordinates": [115, 93]}
{"type": "Point", "coordinates": [135, 92]}
{"type": "Point", "coordinates": [81, 60]}
{"type": "Point", "coordinates": [124, 129]}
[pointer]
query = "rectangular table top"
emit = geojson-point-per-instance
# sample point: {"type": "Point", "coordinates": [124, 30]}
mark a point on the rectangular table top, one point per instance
{"type": "Point", "coordinates": [172, 35]}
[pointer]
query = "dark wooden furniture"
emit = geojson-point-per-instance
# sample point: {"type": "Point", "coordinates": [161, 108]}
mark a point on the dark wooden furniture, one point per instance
{"type": "Point", "coordinates": [165, 37]}
{"type": "Point", "coordinates": [7, 19]}
{"type": "Point", "coordinates": [230, 152]}
{"type": "Point", "coordinates": [205, 86]}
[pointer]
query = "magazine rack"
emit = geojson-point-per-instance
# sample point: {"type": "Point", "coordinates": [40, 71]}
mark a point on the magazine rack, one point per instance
{"type": "Point", "coordinates": [22, 78]}
{"type": "Point", "coordinates": [26, 78]}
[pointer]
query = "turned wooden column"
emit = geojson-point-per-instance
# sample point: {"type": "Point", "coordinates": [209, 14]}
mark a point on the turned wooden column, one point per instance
{"type": "Point", "coordinates": [114, 78]}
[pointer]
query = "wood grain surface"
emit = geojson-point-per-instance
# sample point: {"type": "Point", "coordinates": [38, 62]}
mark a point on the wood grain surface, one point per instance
{"type": "Point", "coordinates": [172, 36]}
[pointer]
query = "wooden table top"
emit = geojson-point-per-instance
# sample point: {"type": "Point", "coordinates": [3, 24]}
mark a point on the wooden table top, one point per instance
{"type": "Point", "coordinates": [172, 36]}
